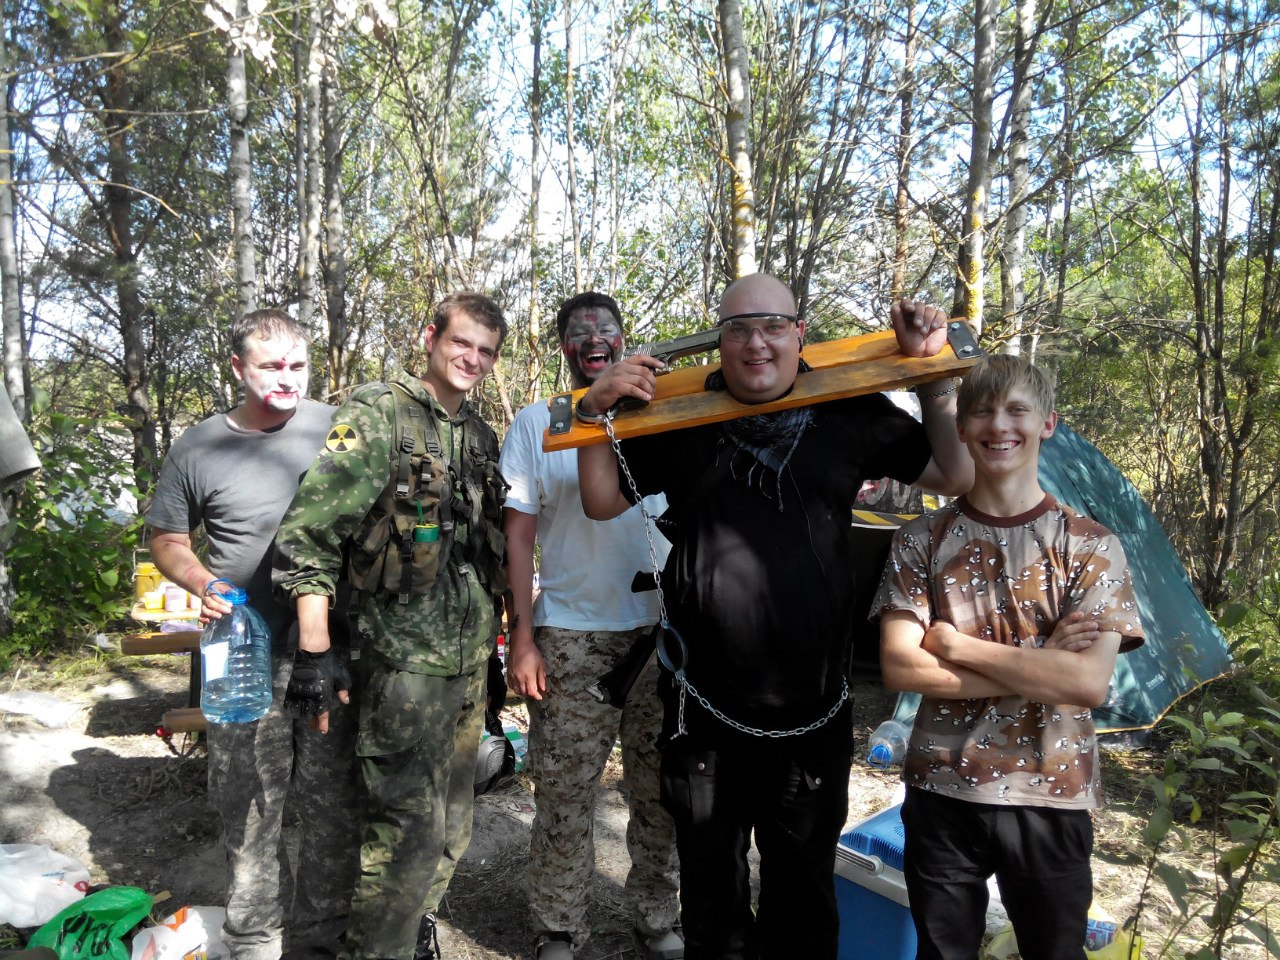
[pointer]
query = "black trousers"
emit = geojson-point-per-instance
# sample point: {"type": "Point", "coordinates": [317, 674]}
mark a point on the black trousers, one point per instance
{"type": "Point", "coordinates": [1038, 855]}
{"type": "Point", "coordinates": [793, 792]}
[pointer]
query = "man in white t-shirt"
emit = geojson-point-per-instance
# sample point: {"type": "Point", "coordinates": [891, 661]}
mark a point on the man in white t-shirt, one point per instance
{"type": "Point", "coordinates": [585, 616]}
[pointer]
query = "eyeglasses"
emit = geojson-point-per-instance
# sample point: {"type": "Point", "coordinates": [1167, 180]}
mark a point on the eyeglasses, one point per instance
{"type": "Point", "coordinates": [772, 326]}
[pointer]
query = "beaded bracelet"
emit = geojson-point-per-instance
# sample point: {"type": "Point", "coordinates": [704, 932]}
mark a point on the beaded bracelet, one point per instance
{"type": "Point", "coordinates": [934, 396]}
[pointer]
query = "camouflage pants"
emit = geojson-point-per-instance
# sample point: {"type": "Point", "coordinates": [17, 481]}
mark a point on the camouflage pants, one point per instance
{"type": "Point", "coordinates": [417, 745]}
{"type": "Point", "coordinates": [253, 767]}
{"type": "Point", "coordinates": [570, 738]}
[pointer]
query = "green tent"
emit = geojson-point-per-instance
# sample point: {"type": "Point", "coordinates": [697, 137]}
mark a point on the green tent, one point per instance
{"type": "Point", "coordinates": [1184, 647]}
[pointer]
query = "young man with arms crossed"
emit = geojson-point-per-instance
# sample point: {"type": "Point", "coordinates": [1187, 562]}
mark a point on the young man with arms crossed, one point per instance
{"type": "Point", "coordinates": [411, 481]}
{"type": "Point", "coordinates": [584, 617]}
{"type": "Point", "coordinates": [1006, 610]}
{"type": "Point", "coordinates": [755, 585]}
{"type": "Point", "coordinates": [235, 473]}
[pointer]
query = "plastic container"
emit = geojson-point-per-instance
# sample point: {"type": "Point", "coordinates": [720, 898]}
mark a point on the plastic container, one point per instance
{"type": "Point", "coordinates": [871, 893]}
{"type": "Point", "coordinates": [888, 744]}
{"type": "Point", "coordinates": [146, 577]}
{"type": "Point", "coordinates": [175, 599]}
{"type": "Point", "coordinates": [235, 654]}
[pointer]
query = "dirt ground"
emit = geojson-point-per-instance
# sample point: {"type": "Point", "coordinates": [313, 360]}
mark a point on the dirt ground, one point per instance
{"type": "Point", "coordinates": [109, 792]}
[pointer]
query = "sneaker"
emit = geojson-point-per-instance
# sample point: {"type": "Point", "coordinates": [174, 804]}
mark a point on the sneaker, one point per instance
{"type": "Point", "coordinates": [661, 946]}
{"type": "Point", "coordinates": [554, 946]}
{"type": "Point", "coordinates": [428, 947]}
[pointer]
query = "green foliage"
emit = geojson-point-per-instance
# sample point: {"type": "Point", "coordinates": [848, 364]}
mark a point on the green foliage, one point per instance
{"type": "Point", "coordinates": [71, 553]}
{"type": "Point", "coordinates": [1221, 776]}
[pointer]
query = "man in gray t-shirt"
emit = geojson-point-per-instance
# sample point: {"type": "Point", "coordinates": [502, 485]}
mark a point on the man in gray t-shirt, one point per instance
{"type": "Point", "coordinates": [236, 474]}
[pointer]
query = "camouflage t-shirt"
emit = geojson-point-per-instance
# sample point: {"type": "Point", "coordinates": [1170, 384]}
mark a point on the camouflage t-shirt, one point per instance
{"type": "Point", "coordinates": [1008, 580]}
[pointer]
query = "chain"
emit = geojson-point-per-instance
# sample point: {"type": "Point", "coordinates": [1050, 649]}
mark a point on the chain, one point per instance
{"type": "Point", "coordinates": [681, 679]}
{"type": "Point", "coordinates": [756, 731]}
{"type": "Point", "coordinates": [649, 521]}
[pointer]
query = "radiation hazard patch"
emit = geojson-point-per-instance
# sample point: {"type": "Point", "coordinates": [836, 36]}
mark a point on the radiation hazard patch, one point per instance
{"type": "Point", "coordinates": [342, 439]}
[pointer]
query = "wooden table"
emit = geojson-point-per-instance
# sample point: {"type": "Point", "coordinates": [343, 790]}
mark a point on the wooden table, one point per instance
{"type": "Point", "coordinates": [187, 719]}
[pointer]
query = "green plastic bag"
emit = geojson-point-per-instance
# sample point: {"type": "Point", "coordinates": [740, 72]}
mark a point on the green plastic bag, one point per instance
{"type": "Point", "coordinates": [94, 928]}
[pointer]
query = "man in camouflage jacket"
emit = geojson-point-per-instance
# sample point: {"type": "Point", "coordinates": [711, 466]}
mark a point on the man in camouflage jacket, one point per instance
{"type": "Point", "coordinates": [409, 485]}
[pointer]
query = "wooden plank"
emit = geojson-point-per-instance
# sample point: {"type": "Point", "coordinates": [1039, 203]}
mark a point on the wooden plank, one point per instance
{"type": "Point", "coordinates": [141, 644]}
{"type": "Point", "coordinates": [140, 613]}
{"type": "Point", "coordinates": [841, 368]}
{"type": "Point", "coordinates": [184, 720]}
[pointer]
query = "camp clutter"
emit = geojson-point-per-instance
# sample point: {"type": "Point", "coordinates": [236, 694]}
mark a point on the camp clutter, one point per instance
{"type": "Point", "coordinates": [43, 889]}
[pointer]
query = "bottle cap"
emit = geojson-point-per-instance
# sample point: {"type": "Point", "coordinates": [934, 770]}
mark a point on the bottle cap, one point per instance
{"type": "Point", "coordinates": [235, 596]}
{"type": "Point", "coordinates": [880, 756]}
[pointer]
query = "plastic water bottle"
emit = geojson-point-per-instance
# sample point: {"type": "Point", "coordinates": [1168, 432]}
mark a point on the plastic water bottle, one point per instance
{"type": "Point", "coordinates": [235, 656]}
{"type": "Point", "coordinates": [888, 744]}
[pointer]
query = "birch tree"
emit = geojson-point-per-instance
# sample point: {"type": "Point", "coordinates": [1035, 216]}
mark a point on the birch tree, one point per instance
{"type": "Point", "coordinates": [537, 13]}
{"type": "Point", "coordinates": [971, 266]}
{"type": "Point", "coordinates": [1013, 247]}
{"type": "Point", "coordinates": [240, 168]}
{"type": "Point", "coordinates": [246, 32]}
{"type": "Point", "coordinates": [15, 359]}
{"type": "Point", "coordinates": [902, 154]}
{"type": "Point", "coordinates": [571, 153]}
{"type": "Point", "coordinates": [310, 176]}
{"type": "Point", "coordinates": [737, 107]}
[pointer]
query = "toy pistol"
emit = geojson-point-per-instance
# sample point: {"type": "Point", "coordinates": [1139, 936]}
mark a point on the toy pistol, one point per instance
{"type": "Point", "coordinates": [677, 347]}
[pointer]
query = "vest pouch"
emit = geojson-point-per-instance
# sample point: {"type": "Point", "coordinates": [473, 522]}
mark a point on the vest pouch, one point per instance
{"type": "Point", "coordinates": [368, 553]}
{"type": "Point", "coordinates": [493, 560]}
{"type": "Point", "coordinates": [423, 558]}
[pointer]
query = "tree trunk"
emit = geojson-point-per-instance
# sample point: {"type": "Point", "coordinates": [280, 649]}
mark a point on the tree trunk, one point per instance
{"type": "Point", "coordinates": [534, 368]}
{"type": "Point", "coordinates": [311, 190]}
{"type": "Point", "coordinates": [335, 261]}
{"type": "Point", "coordinates": [15, 361]}
{"type": "Point", "coordinates": [742, 230]}
{"type": "Point", "coordinates": [971, 267]}
{"type": "Point", "coordinates": [569, 140]}
{"type": "Point", "coordinates": [1013, 248]}
{"type": "Point", "coordinates": [14, 342]}
{"type": "Point", "coordinates": [118, 194]}
{"type": "Point", "coordinates": [1069, 115]}
{"type": "Point", "coordinates": [906, 119]}
{"type": "Point", "coordinates": [240, 169]}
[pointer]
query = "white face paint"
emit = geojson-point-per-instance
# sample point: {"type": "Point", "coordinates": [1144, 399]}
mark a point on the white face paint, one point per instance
{"type": "Point", "coordinates": [274, 373]}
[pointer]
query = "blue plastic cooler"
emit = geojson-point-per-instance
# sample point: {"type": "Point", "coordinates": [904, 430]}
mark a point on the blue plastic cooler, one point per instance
{"type": "Point", "coordinates": [871, 894]}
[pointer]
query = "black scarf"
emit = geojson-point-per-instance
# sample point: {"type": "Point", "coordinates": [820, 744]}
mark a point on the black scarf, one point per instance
{"type": "Point", "coordinates": [769, 438]}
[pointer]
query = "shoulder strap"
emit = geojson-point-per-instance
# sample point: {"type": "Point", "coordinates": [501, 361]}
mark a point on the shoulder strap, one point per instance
{"type": "Point", "coordinates": [410, 436]}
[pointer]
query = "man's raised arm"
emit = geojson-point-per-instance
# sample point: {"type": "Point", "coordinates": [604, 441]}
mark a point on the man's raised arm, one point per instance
{"type": "Point", "coordinates": [602, 497]}
{"type": "Point", "coordinates": [922, 332]}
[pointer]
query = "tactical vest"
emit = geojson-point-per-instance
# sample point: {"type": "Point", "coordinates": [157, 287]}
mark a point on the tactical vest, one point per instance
{"type": "Point", "coordinates": [431, 512]}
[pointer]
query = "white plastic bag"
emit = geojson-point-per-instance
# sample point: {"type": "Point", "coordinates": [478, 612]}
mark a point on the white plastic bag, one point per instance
{"type": "Point", "coordinates": [193, 933]}
{"type": "Point", "coordinates": [36, 883]}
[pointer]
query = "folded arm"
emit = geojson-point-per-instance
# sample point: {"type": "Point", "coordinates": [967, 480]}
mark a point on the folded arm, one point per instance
{"type": "Point", "coordinates": [1048, 674]}
{"type": "Point", "coordinates": [908, 666]}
